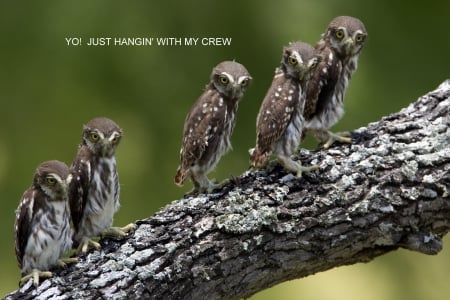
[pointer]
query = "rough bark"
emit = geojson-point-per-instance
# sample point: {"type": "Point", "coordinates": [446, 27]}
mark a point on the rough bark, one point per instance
{"type": "Point", "coordinates": [387, 190]}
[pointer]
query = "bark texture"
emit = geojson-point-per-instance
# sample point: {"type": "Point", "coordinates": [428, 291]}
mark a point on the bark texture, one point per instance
{"type": "Point", "coordinates": [389, 189]}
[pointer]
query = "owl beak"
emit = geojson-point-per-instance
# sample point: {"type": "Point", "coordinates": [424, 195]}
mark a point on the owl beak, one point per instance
{"type": "Point", "coordinates": [106, 147]}
{"type": "Point", "coordinates": [302, 70]}
{"type": "Point", "coordinates": [348, 45]}
{"type": "Point", "coordinates": [235, 90]}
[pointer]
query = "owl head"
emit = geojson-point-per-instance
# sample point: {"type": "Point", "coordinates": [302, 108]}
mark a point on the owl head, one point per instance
{"type": "Point", "coordinates": [299, 59]}
{"type": "Point", "coordinates": [101, 136]}
{"type": "Point", "coordinates": [53, 178]}
{"type": "Point", "coordinates": [346, 35]}
{"type": "Point", "coordinates": [230, 79]}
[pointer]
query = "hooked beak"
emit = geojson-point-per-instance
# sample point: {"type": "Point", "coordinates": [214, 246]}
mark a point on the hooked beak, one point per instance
{"type": "Point", "coordinates": [235, 90]}
{"type": "Point", "coordinates": [348, 45]}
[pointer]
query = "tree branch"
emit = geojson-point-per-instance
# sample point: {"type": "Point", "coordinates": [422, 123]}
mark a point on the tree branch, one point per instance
{"type": "Point", "coordinates": [387, 190]}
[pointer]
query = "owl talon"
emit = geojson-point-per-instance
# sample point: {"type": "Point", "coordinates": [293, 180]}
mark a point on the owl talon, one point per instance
{"type": "Point", "coordinates": [295, 166]}
{"type": "Point", "coordinates": [343, 137]}
{"type": "Point", "coordinates": [86, 244]}
{"type": "Point", "coordinates": [119, 232]}
{"type": "Point", "coordinates": [63, 262]}
{"type": "Point", "coordinates": [35, 274]}
{"type": "Point", "coordinates": [302, 169]}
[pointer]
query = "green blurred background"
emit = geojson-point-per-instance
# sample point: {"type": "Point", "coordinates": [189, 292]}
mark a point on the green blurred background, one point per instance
{"type": "Point", "coordinates": [48, 90]}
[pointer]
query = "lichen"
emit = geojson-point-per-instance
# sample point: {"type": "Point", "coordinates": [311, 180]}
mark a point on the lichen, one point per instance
{"type": "Point", "coordinates": [409, 169]}
{"type": "Point", "coordinates": [247, 221]}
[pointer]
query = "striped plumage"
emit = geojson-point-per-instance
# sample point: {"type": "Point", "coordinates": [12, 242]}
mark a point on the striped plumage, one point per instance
{"type": "Point", "coordinates": [339, 49]}
{"type": "Point", "coordinates": [42, 227]}
{"type": "Point", "coordinates": [94, 191]}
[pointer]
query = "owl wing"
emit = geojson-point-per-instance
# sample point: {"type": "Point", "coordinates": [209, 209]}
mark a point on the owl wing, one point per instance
{"type": "Point", "coordinates": [321, 85]}
{"type": "Point", "coordinates": [79, 186]}
{"type": "Point", "coordinates": [276, 112]}
{"type": "Point", "coordinates": [24, 216]}
{"type": "Point", "coordinates": [202, 127]}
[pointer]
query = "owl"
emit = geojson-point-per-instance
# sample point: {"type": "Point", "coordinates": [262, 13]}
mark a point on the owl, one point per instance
{"type": "Point", "coordinates": [280, 122]}
{"type": "Point", "coordinates": [209, 125]}
{"type": "Point", "coordinates": [94, 190]}
{"type": "Point", "coordinates": [42, 227]}
{"type": "Point", "coordinates": [339, 48]}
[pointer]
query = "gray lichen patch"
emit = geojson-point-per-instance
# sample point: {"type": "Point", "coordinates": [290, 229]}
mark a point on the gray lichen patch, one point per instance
{"type": "Point", "coordinates": [409, 169]}
{"type": "Point", "coordinates": [247, 221]}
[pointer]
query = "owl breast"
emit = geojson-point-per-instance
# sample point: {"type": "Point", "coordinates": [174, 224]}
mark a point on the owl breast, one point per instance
{"type": "Point", "coordinates": [220, 143]}
{"type": "Point", "coordinates": [333, 104]}
{"type": "Point", "coordinates": [102, 199]}
{"type": "Point", "coordinates": [50, 237]}
{"type": "Point", "coordinates": [290, 97]}
{"type": "Point", "coordinates": [292, 135]}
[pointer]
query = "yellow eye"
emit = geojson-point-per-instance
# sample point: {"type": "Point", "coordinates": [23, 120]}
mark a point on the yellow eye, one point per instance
{"type": "Point", "coordinates": [115, 140]}
{"type": "Point", "coordinates": [339, 34]}
{"type": "Point", "coordinates": [223, 79]}
{"type": "Point", "coordinates": [94, 137]}
{"type": "Point", "coordinates": [359, 38]}
{"type": "Point", "coordinates": [313, 65]}
{"type": "Point", "coordinates": [51, 180]}
{"type": "Point", "coordinates": [244, 82]}
{"type": "Point", "coordinates": [292, 60]}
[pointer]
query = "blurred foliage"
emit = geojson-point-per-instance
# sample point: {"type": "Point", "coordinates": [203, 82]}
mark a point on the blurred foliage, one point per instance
{"type": "Point", "coordinates": [49, 90]}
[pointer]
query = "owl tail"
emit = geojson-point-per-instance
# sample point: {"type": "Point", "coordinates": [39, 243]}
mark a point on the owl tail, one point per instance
{"type": "Point", "coordinates": [258, 158]}
{"type": "Point", "coordinates": [180, 177]}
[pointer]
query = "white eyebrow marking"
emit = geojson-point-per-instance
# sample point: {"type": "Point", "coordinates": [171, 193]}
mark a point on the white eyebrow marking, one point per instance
{"type": "Point", "coordinates": [242, 78]}
{"type": "Point", "coordinates": [298, 57]}
{"type": "Point", "coordinates": [230, 78]}
{"type": "Point", "coordinates": [113, 135]}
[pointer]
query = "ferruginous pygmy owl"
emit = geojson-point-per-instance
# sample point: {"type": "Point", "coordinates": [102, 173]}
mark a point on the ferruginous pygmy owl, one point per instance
{"type": "Point", "coordinates": [209, 125]}
{"type": "Point", "coordinates": [339, 48]}
{"type": "Point", "coordinates": [42, 228]}
{"type": "Point", "coordinates": [94, 190]}
{"type": "Point", "coordinates": [280, 122]}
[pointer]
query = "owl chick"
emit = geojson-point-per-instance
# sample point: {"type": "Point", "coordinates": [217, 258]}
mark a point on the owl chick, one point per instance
{"type": "Point", "coordinates": [94, 190]}
{"type": "Point", "coordinates": [339, 48]}
{"type": "Point", "coordinates": [42, 228]}
{"type": "Point", "coordinates": [280, 122]}
{"type": "Point", "coordinates": [209, 125]}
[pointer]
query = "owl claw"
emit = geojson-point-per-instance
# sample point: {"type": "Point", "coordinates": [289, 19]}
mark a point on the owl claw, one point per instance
{"type": "Point", "coordinates": [86, 244]}
{"type": "Point", "coordinates": [35, 274]}
{"type": "Point", "coordinates": [119, 232]}
{"type": "Point", "coordinates": [306, 169]}
{"type": "Point", "coordinates": [63, 262]}
{"type": "Point", "coordinates": [343, 137]}
{"type": "Point", "coordinates": [204, 185]}
{"type": "Point", "coordinates": [295, 166]}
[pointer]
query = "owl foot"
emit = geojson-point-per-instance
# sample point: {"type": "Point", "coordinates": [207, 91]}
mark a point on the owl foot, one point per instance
{"type": "Point", "coordinates": [203, 185]}
{"type": "Point", "coordinates": [295, 166]}
{"type": "Point", "coordinates": [119, 232]}
{"type": "Point", "coordinates": [86, 244]}
{"type": "Point", "coordinates": [343, 137]}
{"type": "Point", "coordinates": [207, 189]}
{"type": "Point", "coordinates": [63, 262]}
{"type": "Point", "coordinates": [35, 274]}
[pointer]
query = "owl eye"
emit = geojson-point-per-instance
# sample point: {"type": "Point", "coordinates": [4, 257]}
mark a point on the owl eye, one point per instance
{"type": "Point", "coordinates": [359, 38]}
{"type": "Point", "coordinates": [244, 82]}
{"type": "Point", "coordinates": [115, 140]}
{"type": "Point", "coordinates": [339, 34]}
{"type": "Point", "coordinates": [292, 60]}
{"type": "Point", "coordinates": [224, 79]}
{"type": "Point", "coordinates": [313, 65]}
{"type": "Point", "coordinates": [51, 180]}
{"type": "Point", "coordinates": [95, 137]}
